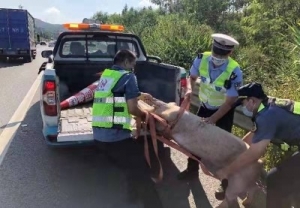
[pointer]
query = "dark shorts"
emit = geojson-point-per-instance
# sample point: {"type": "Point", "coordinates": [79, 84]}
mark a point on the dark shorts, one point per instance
{"type": "Point", "coordinates": [226, 123]}
{"type": "Point", "coordinates": [283, 184]}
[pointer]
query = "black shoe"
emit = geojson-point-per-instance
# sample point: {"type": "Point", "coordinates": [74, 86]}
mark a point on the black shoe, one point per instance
{"type": "Point", "coordinates": [220, 193]}
{"type": "Point", "coordinates": [188, 174]}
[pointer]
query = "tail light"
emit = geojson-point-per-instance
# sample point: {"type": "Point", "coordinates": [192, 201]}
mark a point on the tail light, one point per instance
{"type": "Point", "coordinates": [49, 98]}
{"type": "Point", "coordinates": [183, 83]}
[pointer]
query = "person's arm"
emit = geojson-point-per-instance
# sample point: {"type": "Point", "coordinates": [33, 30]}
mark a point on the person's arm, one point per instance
{"type": "Point", "coordinates": [266, 129]}
{"type": "Point", "coordinates": [231, 96]}
{"type": "Point", "coordinates": [132, 93]}
{"type": "Point", "coordinates": [194, 74]}
{"type": "Point", "coordinates": [251, 155]}
{"type": "Point", "coordinates": [248, 137]}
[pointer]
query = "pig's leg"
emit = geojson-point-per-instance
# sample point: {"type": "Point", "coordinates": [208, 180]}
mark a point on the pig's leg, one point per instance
{"type": "Point", "coordinates": [237, 185]}
{"type": "Point", "coordinates": [243, 181]}
{"type": "Point", "coordinates": [250, 196]}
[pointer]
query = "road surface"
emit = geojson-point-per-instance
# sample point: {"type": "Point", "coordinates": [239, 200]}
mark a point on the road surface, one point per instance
{"type": "Point", "coordinates": [16, 78]}
{"type": "Point", "coordinates": [33, 175]}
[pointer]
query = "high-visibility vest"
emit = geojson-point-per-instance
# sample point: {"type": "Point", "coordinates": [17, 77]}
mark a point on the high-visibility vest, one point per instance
{"type": "Point", "coordinates": [287, 104]}
{"type": "Point", "coordinates": [110, 111]}
{"type": "Point", "coordinates": [214, 93]}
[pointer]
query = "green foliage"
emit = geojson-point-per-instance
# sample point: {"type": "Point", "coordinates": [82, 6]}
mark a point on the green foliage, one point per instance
{"type": "Point", "coordinates": [268, 32]}
{"type": "Point", "coordinates": [179, 44]}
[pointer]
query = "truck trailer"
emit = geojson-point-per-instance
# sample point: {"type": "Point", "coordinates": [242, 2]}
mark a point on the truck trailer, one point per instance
{"type": "Point", "coordinates": [17, 35]}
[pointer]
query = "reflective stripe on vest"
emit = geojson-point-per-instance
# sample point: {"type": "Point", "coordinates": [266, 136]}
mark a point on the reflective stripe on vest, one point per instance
{"type": "Point", "coordinates": [116, 119]}
{"type": "Point", "coordinates": [214, 93]}
{"type": "Point", "coordinates": [110, 111]}
{"type": "Point", "coordinates": [110, 100]}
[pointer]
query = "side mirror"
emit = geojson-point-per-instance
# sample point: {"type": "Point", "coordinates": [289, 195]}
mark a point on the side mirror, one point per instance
{"type": "Point", "coordinates": [155, 58]}
{"type": "Point", "coordinates": [46, 53]}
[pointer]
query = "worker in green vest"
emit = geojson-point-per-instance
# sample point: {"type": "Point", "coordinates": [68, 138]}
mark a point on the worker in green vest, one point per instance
{"type": "Point", "coordinates": [115, 100]}
{"type": "Point", "coordinates": [275, 121]}
{"type": "Point", "coordinates": [220, 77]}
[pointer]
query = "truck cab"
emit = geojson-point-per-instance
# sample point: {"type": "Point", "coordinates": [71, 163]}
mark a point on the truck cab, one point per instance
{"type": "Point", "coordinates": [79, 55]}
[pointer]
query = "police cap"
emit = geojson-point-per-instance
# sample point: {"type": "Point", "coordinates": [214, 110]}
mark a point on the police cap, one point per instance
{"type": "Point", "coordinates": [224, 42]}
{"type": "Point", "coordinates": [252, 89]}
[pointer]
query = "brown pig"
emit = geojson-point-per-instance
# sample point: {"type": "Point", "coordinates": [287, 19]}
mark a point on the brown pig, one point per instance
{"type": "Point", "coordinates": [215, 146]}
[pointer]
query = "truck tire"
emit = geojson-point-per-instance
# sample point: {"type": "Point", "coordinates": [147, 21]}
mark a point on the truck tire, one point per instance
{"type": "Point", "coordinates": [3, 59]}
{"type": "Point", "coordinates": [28, 59]}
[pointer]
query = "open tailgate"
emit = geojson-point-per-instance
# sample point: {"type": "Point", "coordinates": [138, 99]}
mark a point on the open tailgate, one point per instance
{"type": "Point", "coordinates": [160, 80]}
{"type": "Point", "coordinates": [75, 124]}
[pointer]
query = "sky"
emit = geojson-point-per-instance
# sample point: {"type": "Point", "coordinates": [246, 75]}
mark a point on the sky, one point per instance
{"type": "Point", "coordinates": [62, 11]}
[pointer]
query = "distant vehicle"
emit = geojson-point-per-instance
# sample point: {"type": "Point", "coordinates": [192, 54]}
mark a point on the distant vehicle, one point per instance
{"type": "Point", "coordinates": [43, 43]}
{"type": "Point", "coordinates": [17, 34]}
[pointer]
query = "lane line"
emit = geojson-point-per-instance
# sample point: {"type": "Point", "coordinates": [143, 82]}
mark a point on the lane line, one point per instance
{"type": "Point", "coordinates": [9, 131]}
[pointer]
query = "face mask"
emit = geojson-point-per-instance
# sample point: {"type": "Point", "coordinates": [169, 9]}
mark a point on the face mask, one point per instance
{"type": "Point", "coordinates": [247, 112]}
{"type": "Point", "coordinates": [218, 61]}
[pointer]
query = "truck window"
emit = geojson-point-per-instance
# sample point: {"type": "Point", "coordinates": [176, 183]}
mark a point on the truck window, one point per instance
{"type": "Point", "coordinates": [96, 48]}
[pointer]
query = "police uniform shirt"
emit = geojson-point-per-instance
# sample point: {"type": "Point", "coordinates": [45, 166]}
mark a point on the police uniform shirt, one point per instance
{"type": "Point", "coordinates": [214, 72]}
{"type": "Point", "coordinates": [127, 85]}
{"type": "Point", "coordinates": [277, 124]}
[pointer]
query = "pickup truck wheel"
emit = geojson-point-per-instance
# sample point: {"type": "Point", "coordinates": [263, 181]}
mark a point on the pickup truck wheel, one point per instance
{"type": "Point", "coordinates": [3, 59]}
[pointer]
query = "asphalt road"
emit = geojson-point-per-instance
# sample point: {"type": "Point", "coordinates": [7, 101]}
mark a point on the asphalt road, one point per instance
{"type": "Point", "coordinates": [15, 80]}
{"type": "Point", "coordinates": [33, 175]}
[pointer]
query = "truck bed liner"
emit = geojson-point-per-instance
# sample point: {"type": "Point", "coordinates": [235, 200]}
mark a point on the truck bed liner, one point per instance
{"type": "Point", "coordinates": [75, 124]}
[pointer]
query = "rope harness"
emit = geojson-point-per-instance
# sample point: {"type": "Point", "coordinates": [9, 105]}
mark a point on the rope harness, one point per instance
{"type": "Point", "coordinates": [164, 136]}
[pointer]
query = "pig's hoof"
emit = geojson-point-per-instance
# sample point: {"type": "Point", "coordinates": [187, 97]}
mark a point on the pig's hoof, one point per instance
{"type": "Point", "coordinates": [220, 194]}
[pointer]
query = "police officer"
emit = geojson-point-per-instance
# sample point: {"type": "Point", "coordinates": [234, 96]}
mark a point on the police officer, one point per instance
{"type": "Point", "coordinates": [115, 100]}
{"type": "Point", "coordinates": [276, 121]}
{"type": "Point", "coordinates": [220, 78]}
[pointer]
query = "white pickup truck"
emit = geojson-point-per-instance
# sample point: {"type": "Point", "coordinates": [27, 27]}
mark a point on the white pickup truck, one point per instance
{"type": "Point", "coordinates": [72, 64]}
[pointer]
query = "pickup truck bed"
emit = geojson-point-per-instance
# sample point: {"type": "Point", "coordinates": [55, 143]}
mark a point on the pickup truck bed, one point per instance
{"type": "Point", "coordinates": [69, 71]}
{"type": "Point", "coordinates": [75, 123]}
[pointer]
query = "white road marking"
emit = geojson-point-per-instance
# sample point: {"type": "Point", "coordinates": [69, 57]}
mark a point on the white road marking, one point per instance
{"type": "Point", "coordinates": [9, 132]}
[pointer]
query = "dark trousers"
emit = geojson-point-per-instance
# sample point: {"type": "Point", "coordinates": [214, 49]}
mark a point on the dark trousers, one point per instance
{"type": "Point", "coordinates": [283, 184]}
{"type": "Point", "coordinates": [129, 156]}
{"type": "Point", "coordinates": [226, 123]}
